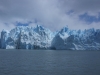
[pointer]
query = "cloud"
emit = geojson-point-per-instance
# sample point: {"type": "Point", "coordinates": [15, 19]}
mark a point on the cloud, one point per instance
{"type": "Point", "coordinates": [6, 26]}
{"type": "Point", "coordinates": [53, 14]}
{"type": "Point", "coordinates": [82, 6]}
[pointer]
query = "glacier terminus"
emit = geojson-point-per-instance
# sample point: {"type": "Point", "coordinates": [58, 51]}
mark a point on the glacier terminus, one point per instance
{"type": "Point", "coordinates": [39, 37]}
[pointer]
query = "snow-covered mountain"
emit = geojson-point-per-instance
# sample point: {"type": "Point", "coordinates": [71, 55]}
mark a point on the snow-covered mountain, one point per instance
{"type": "Point", "coordinates": [77, 40]}
{"type": "Point", "coordinates": [24, 37]}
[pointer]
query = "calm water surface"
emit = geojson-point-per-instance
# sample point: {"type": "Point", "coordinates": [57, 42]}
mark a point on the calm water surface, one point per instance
{"type": "Point", "coordinates": [49, 62]}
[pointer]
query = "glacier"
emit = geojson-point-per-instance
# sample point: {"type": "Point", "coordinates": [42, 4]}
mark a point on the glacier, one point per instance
{"type": "Point", "coordinates": [39, 37]}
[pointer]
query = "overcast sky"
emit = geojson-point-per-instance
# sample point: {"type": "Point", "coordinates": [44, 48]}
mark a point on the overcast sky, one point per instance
{"type": "Point", "coordinates": [53, 14]}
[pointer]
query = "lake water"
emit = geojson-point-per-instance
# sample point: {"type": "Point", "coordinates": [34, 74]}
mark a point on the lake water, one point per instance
{"type": "Point", "coordinates": [49, 62]}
